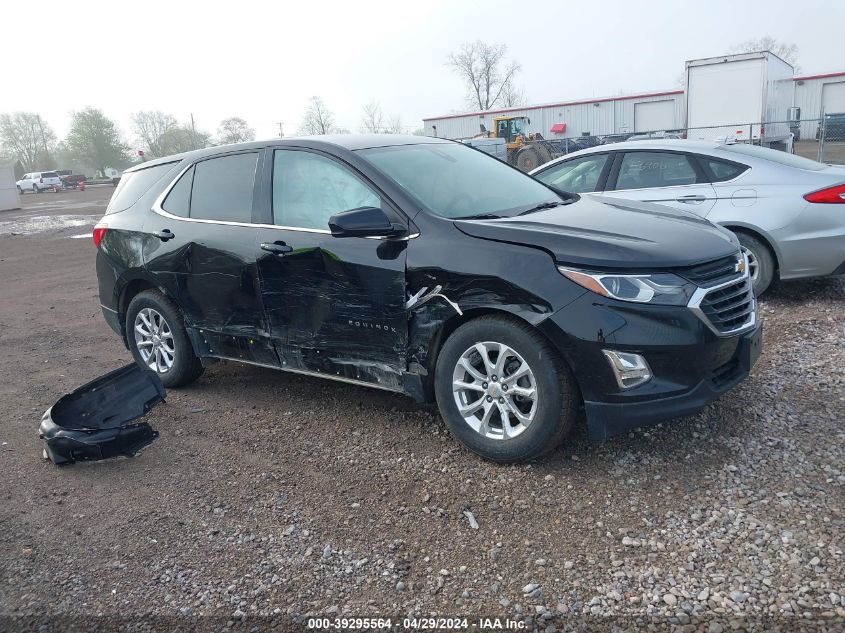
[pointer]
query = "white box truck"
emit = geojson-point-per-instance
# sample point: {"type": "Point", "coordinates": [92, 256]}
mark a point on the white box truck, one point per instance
{"type": "Point", "coordinates": [742, 97]}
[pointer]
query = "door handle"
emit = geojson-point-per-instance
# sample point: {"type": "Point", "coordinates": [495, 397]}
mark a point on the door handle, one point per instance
{"type": "Point", "coordinates": [695, 198]}
{"type": "Point", "coordinates": [164, 235]}
{"type": "Point", "coordinates": [277, 248]}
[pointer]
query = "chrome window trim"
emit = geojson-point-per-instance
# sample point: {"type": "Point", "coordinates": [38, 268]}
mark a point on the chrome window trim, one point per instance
{"type": "Point", "coordinates": [701, 292]}
{"type": "Point", "coordinates": [158, 209]}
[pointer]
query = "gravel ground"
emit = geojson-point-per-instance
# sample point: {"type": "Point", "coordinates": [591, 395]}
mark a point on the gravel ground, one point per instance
{"type": "Point", "coordinates": [270, 493]}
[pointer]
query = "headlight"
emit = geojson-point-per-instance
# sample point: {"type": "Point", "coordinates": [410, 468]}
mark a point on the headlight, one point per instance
{"type": "Point", "coordinates": [656, 288]}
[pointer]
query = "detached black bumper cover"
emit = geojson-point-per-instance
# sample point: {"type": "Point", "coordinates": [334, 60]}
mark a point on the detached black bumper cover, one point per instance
{"type": "Point", "coordinates": [95, 421]}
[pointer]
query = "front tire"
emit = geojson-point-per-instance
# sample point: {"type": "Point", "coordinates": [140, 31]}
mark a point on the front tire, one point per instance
{"type": "Point", "coordinates": [761, 262]}
{"type": "Point", "coordinates": [503, 391]}
{"type": "Point", "coordinates": [155, 331]}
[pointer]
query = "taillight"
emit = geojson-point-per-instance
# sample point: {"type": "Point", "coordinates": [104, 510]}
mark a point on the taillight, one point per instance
{"type": "Point", "coordinates": [99, 233]}
{"type": "Point", "coordinates": [831, 195]}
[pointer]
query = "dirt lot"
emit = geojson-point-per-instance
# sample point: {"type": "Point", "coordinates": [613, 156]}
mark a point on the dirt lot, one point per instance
{"type": "Point", "coordinates": [834, 152]}
{"type": "Point", "coordinates": [270, 493]}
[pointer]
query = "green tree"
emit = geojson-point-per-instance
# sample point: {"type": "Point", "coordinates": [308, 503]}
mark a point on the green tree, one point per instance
{"type": "Point", "coordinates": [94, 140]}
{"type": "Point", "coordinates": [28, 138]}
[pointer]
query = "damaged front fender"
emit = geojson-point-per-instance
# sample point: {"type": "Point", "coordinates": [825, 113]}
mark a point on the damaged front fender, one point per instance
{"type": "Point", "coordinates": [96, 421]}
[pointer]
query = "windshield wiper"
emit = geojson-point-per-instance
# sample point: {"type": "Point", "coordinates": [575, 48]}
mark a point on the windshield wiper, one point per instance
{"type": "Point", "coordinates": [546, 205]}
{"type": "Point", "coordinates": [480, 216]}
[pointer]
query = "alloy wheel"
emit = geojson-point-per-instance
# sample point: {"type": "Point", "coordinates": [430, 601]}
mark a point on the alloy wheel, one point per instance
{"type": "Point", "coordinates": [495, 390]}
{"type": "Point", "coordinates": [753, 265]}
{"type": "Point", "coordinates": [154, 340]}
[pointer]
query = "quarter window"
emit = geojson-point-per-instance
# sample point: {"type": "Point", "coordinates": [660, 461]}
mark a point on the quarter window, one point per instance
{"type": "Point", "coordinates": [646, 170]}
{"type": "Point", "coordinates": [222, 188]}
{"type": "Point", "coordinates": [723, 171]}
{"type": "Point", "coordinates": [579, 175]}
{"type": "Point", "coordinates": [178, 201]}
{"type": "Point", "coordinates": [308, 189]}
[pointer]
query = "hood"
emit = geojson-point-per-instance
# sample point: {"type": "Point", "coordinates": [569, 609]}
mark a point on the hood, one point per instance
{"type": "Point", "coordinates": [604, 232]}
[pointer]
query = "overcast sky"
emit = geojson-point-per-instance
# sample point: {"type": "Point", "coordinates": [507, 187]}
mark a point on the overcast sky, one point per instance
{"type": "Point", "coordinates": [263, 60]}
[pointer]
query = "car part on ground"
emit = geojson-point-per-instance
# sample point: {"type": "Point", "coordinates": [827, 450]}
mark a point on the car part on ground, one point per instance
{"type": "Point", "coordinates": [788, 211]}
{"type": "Point", "coordinates": [97, 421]}
{"type": "Point", "coordinates": [395, 261]}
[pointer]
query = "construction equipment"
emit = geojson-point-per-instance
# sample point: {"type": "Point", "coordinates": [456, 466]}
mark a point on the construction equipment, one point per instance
{"type": "Point", "coordinates": [525, 150]}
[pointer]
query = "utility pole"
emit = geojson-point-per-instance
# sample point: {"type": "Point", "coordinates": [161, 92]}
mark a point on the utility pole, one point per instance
{"type": "Point", "coordinates": [43, 140]}
{"type": "Point", "coordinates": [281, 133]}
{"type": "Point", "coordinates": [193, 132]}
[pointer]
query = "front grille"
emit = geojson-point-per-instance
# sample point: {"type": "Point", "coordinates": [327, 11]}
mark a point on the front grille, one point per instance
{"type": "Point", "coordinates": [712, 273]}
{"type": "Point", "coordinates": [729, 307]}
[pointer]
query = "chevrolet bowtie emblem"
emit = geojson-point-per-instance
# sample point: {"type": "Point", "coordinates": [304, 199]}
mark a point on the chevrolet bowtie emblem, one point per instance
{"type": "Point", "coordinates": [740, 266]}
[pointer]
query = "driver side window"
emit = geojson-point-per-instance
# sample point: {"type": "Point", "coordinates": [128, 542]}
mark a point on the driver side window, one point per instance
{"type": "Point", "coordinates": [308, 189]}
{"type": "Point", "coordinates": [580, 175]}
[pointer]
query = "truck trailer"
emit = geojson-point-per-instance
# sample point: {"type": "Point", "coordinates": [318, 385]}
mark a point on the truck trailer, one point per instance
{"type": "Point", "coordinates": [744, 97]}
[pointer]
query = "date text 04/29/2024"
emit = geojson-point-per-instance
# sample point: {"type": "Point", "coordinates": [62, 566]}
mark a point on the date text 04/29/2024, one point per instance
{"type": "Point", "coordinates": [427, 624]}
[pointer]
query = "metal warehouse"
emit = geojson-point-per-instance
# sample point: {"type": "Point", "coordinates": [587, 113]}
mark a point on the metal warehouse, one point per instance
{"type": "Point", "coordinates": [608, 115]}
{"type": "Point", "coordinates": [666, 110]}
{"type": "Point", "coordinates": [817, 95]}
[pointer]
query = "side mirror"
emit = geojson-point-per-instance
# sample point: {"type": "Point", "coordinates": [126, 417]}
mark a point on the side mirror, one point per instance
{"type": "Point", "coordinates": [363, 222]}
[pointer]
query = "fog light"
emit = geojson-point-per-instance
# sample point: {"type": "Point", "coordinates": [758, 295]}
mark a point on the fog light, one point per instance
{"type": "Point", "coordinates": [631, 370]}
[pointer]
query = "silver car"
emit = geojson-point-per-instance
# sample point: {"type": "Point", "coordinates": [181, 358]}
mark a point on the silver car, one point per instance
{"type": "Point", "coordinates": [788, 212]}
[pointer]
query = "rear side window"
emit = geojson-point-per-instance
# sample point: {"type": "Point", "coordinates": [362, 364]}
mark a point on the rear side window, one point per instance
{"type": "Point", "coordinates": [580, 175]}
{"type": "Point", "coordinates": [222, 188]}
{"type": "Point", "coordinates": [646, 170]}
{"type": "Point", "coordinates": [135, 184]}
{"type": "Point", "coordinates": [721, 170]}
{"type": "Point", "coordinates": [178, 201]}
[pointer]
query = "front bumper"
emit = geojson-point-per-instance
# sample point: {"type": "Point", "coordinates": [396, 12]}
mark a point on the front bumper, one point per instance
{"type": "Point", "coordinates": [611, 418]}
{"type": "Point", "coordinates": [691, 365]}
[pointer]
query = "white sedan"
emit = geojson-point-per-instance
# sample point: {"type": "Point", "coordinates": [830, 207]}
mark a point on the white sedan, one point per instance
{"type": "Point", "coordinates": [788, 212]}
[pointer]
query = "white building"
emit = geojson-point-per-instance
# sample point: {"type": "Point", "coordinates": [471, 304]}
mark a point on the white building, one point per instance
{"type": "Point", "coordinates": [817, 94]}
{"type": "Point", "coordinates": [9, 198]}
{"type": "Point", "coordinates": [568, 119]}
{"type": "Point", "coordinates": [645, 112]}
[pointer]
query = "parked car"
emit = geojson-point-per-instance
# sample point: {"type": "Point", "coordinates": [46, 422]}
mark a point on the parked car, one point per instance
{"type": "Point", "coordinates": [428, 268]}
{"type": "Point", "coordinates": [38, 181]}
{"type": "Point", "coordinates": [72, 181]}
{"type": "Point", "coordinates": [834, 127]}
{"type": "Point", "coordinates": [788, 212]}
{"type": "Point", "coordinates": [614, 138]}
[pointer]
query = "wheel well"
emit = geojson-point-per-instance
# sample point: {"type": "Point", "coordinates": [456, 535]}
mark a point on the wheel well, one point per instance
{"type": "Point", "coordinates": [132, 289]}
{"type": "Point", "coordinates": [761, 238]}
{"type": "Point", "coordinates": [452, 324]}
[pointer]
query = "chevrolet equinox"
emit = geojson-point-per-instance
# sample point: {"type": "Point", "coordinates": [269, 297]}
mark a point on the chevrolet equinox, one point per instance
{"type": "Point", "coordinates": [425, 267]}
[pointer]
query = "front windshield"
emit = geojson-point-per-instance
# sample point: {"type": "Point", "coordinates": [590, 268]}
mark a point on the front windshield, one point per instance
{"type": "Point", "coordinates": [455, 181]}
{"type": "Point", "coordinates": [518, 126]}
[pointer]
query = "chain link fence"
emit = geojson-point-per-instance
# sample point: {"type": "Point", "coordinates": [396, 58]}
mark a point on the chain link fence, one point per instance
{"type": "Point", "coordinates": [821, 139]}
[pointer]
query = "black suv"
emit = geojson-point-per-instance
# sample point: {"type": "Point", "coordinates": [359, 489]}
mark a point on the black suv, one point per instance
{"type": "Point", "coordinates": [425, 267]}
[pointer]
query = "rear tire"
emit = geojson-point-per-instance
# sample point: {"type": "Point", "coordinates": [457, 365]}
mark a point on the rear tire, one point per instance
{"type": "Point", "coordinates": [529, 366]}
{"type": "Point", "coordinates": [35, 189]}
{"type": "Point", "coordinates": [527, 159]}
{"type": "Point", "coordinates": [162, 330]}
{"type": "Point", "coordinates": [761, 262]}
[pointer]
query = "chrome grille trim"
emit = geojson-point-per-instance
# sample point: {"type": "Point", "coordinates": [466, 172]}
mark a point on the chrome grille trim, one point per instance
{"type": "Point", "coordinates": [732, 302]}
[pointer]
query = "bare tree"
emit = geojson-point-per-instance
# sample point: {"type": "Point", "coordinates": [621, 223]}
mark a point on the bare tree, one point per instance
{"type": "Point", "coordinates": [152, 127]}
{"type": "Point", "coordinates": [28, 138]}
{"type": "Point", "coordinates": [394, 125]}
{"type": "Point", "coordinates": [373, 119]}
{"type": "Point", "coordinates": [487, 74]}
{"type": "Point", "coordinates": [318, 119]}
{"type": "Point", "coordinates": [785, 50]}
{"type": "Point", "coordinates": [513, 96]}
{"type": "Point", "coordinates": [234, 130]}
